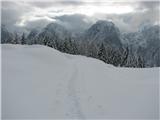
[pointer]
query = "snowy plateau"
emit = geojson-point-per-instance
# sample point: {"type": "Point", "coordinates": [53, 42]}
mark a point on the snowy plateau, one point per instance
{"type": "Point", "coordinates": [39, 82]}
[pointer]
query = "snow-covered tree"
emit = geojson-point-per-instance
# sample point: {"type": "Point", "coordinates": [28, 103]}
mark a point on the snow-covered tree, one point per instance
{"type": "Point", "coordinates": [23, 39]}
{"type": "Point", "coordinates": [102, 53]}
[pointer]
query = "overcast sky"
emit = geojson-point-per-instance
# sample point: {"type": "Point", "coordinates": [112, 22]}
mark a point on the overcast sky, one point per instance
{"type": "Point", "coordinates": [78, 15]}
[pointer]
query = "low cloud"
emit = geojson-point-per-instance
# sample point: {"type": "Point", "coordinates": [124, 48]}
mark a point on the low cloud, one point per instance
{"type": "Point", "coordinates": [78, 15]}
{"type": "Point", "coordinates": [76, 22]}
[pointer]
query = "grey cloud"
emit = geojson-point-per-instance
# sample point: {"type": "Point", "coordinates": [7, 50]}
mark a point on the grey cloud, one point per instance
{"type": "Point", "coordinates": [38, 24]}
{"type": "Point", "coordinates": [76, 22]}
{"type": "Point", "coordinates": [13, 11]}
{"type": "Point", "coordinates": [150, 5]}
{"type": "Point", "coordinates": [72, 2]}
{"type": "Point", "coordinates": [10, 14]}
{"type": "Point", "coordinates": [42, 4]}
{"type": "Point", "coordinates": [132, 21]}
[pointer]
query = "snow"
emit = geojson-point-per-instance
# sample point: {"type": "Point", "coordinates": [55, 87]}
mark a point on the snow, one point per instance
{"type": "Point", "coordinates": [39, 82]}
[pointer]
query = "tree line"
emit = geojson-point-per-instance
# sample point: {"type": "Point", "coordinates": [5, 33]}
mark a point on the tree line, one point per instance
{"type": "Point", "coordinates": [116, 56]}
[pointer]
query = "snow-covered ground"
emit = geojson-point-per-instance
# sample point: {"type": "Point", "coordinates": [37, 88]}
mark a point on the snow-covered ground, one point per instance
{"type": "Point", "coordinates": [40, 82]}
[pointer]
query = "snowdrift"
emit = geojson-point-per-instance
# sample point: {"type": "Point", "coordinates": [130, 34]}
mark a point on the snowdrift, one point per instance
{"type": "Point", "coordinates": [39, 82]}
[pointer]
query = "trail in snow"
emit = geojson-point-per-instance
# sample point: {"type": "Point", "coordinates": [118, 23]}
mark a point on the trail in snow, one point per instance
{"type": "Point", "coordinates": [41, 83]}
{"type": "Point", "coordinates": [75, 107]}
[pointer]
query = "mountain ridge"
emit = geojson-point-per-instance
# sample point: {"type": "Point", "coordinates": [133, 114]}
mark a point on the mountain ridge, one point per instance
{"type": "Point", "coordinates": [90, 42]}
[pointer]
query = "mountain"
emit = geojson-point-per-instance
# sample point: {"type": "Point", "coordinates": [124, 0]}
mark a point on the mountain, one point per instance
{"type": "Point", "coordinates": [32, 36]}
{"type": "Point", "coordinates": [152, 35]}
{"type": "Point", "coordinates": [134, 39]}
{"type": "Point", "coordinates": [145, 43]}
{"type": "Point", "coordinates": [50, 34]}
{"type": "Point", "coordinates": [6, 36]}
{"type": "Point", "coordinates": [152, 50]}
{"type": "Point", "coordinates": [33, 33]}
{"type": "Point", "coordinates": [55, 29]}
{"type": "Point", "coordinates": [148, 36]}
{"type": "Point", "coordinates": [144, 25]}
{"type": "Point", "coordinates": [104, 31]}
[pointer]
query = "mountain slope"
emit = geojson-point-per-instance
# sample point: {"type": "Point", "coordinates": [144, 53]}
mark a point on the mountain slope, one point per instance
{"type": "Point", "coordinates": [52, 33]}
{"type": "Point", "coordinates": [41, 83]}
{"type": "Point", "coordinates": [143, 46]}
{"type": "Point", "coordinates": [152, 36]}
{"type": "Point", "coordinates": [104, 31]}
{"type": "Point", "coordinates": [145, 43]}
{"type": "Point", "coordinates": [6, 36]}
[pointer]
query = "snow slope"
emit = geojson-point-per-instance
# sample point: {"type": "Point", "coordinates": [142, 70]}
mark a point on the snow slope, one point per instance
{"type": "Point", "coordinates": [39, 82]}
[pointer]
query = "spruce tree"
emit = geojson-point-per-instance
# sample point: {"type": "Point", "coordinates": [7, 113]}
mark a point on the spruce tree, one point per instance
{"type": "Point", "coordinates": [23, 40]}
{"type": "Point", "coordinates": [102, 53]}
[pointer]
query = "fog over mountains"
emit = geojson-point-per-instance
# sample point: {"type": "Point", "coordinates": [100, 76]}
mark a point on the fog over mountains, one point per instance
{"type": "Point", "coordinates": [103, 40]}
